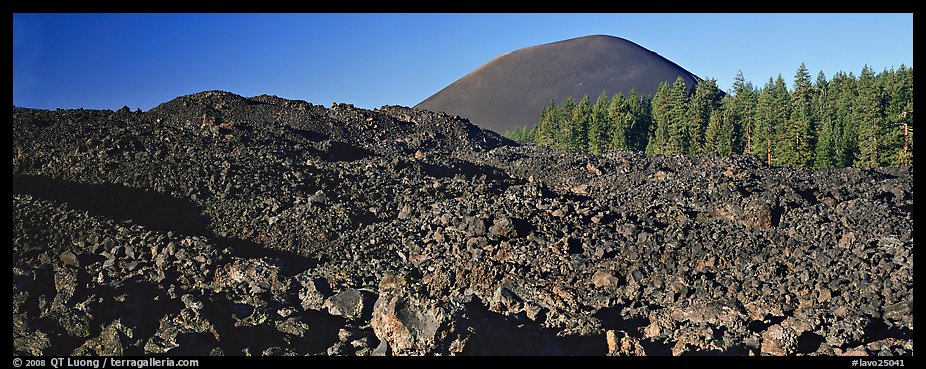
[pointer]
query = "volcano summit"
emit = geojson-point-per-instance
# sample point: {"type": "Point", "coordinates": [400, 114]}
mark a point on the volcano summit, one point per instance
{"type": "Point", "coordinates": [510, 90]}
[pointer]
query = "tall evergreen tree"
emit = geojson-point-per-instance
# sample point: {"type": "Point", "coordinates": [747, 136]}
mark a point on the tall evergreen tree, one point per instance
{"type": "Point", "coordinates": [705, 99]}
{"type": "Point", "coordinates": [825, 148]}
{"type": "Point", "coordinates": [796, 134]}
{"type": "Point", "coordinates": [525, 134]}
{"type": "Point", "coordinates": [531, 135]}
{"type": "Point", "coordinates": [713, 132]}
{"type": "Point", "coordinates": [638, 108]}
{"type": "Point", "coordinates": [763, 126]}
{"type": "Point", "coordinates": [744, 110]}
{"type": "Point", "coordinates": [726, 145]}
{"type": "Point", "coordinates": [898, 111]}
{"type": "Point", "coordinates": [906, 157]}
{"type": "Point", "coordinates": [843, 94]}
{"type": "Point", "coordinates": [662, 111]}
{"type": "Point", "coordinates": [617, 114]}
{"type": "Point", "coordinates": [546, 129]}
{"type": "Point", "coordinates": [780, 109]}
{"type": "Point", "coordinates": [772, 111]}
{"type": "Point", "coordinates": [578, 126]}
{"type": "Point", "coordinates": [678, 141]}
{"type": "Point", "coordinates": [718, 136]}
{"type": "Point", "coordinates": [868, 113]}
{"type": "Point", "coordinates": [598, 127]}
{"type": "Point", "coordinates": [564, 133]}
{"type": "Point", "coordinates": [514, 134]}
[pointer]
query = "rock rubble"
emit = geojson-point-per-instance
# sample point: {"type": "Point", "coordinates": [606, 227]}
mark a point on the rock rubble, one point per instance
{"type": "Point", "coordinates": [215, 224]}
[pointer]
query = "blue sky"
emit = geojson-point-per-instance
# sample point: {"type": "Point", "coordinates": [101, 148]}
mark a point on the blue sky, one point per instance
{"type": "Point", "coordinates": [105, 61]}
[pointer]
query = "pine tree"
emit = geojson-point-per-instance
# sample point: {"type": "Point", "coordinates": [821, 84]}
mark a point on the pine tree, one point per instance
{"type": "Point", "coordinates": [598, 127]}
{"type": "Point", "coordinates": [744, 111]}
{"type": "Point", "coordinates": [659, 137]}
{"type": "Point", "coordinates": [525, 134]}
{"type": "Point", "coordinates": [718, 136]}
{"type": "Point", "coordinates": [650, 149]}
{"type": "Point", "coordinates": [564, 132]}
{"type": "Point", "coordinates": [712, 132]}
{"type": "Point", "coordinates": [772, 112]}
{"type": "Point", "coordinates": [546, 128]}
{"type": "Point", "coordinates": [898, 115]}
{"type": "Point", "coordinates": [678, 141]}
{"type": "Point", "coordinates": [795, 136]}
{"type": "Point", "coordinates": [726, 144]}
{"type": "Point", "coordinates": [638, 108]}
{"type": "Point", "coordinates": [825, 148]}
{"type": "Point", "coordinates": [513, 134]}
{"type": "Point", "coordinates": [780, 109]}
{"type": "Point", "coordinates": [763, 133]}
{"type": "Point", "coordinates": [845, 133]}
{"type": "Point", "coordinates": [868, 113]}
{"type": "Point", "coordinates": [578, 126]}
{"type": "Point", "coordinates": [906, 157]}
{"type": "Point", "coordinates": [617, 115]}
{"type": "Point", "coordinates": [705, 99]}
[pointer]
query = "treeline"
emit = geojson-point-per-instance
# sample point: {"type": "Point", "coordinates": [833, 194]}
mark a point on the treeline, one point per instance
{"type": "Point", "coordinates": [845, 121]}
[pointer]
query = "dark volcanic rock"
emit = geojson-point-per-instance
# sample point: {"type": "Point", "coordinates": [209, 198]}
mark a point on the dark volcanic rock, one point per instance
{"type": "Point", "coordinates": [221, 225]}
{"type": "Point", "coordinates": [351, 304]}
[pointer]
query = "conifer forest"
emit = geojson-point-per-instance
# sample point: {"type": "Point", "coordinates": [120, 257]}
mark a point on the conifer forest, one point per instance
{"type": "Point", "coordinates": [848, 120]}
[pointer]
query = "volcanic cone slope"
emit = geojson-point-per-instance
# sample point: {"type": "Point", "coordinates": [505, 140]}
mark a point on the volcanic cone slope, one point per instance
{"type": "Point", "coordinates": [510, 90]}
{"type": "Point", "coordinates": [217, 224]}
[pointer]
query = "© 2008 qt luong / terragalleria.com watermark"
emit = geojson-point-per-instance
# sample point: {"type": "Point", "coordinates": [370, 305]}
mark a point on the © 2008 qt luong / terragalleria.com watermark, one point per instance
{"type": "Point", "coordinates": [102, 363]}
